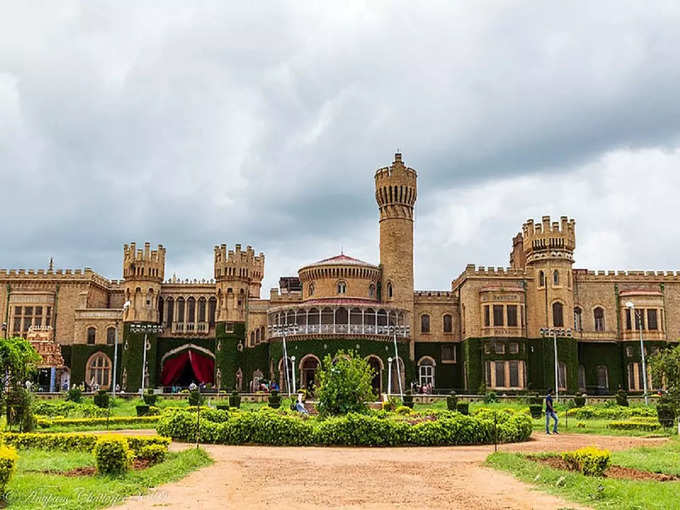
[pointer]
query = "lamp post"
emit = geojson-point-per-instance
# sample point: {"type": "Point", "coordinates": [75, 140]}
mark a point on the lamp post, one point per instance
{"type": "Point", "coordinates": [554, 333]}
{"type": "Point", "coordinates": [631, 307]}
{"type": "Point", "coordinates": [396, 361]}
{"type": "Point", "coordinates": [192, 388]}
{"type": "Point", "coordinates": [285, 356]}
{"type": "Point", "coordinates": [126, 306]}
{"type": "Point", "coordinates": [292, 365]}
{"type": "Point", "coordinates": [389, 376]}
{"type": "Point", "coordinates": [146, 329]}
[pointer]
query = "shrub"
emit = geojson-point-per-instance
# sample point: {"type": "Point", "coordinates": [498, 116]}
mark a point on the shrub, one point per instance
{"type": "Point", "coordinates": [222, 407]}
{"type": "Point", "coordinates": [610, 412]}
{"type": "Point", "coordinates": [74, 395]}
{"type": "Point", "coordinates": [150, 398]}
{"type": "Point", "coordinates": [101, 399]}
{"type": "Point", "coordinates": [536, 410]}
{"type": "Point", "coordinates": [579, 400]}
{"type": "Point", "coordinates": [112, 455]}
{"type": "Point", "coordinates": [463, 407]}
{"type": "Point", "coordinates": [648, 424]}
{"type": "Point", "coordinates": [274, 400]}
{"type": "Point", "coordinates": [536, 399]}
{"type": "Point", "coordinates": [403, 410]}
{"type": "Point", "coordinates": [408, 399]}
{"type": "Point", "coordinates": [67, 409]}
{"type": "Point", "coordinates": [154, 453]}
{"type": "Point", "coordinates": [451, 401]}
{"type": "Point", "coordinates": [75, 441]}
{"type": "Point", "coordinates": [235, 399]}
{"type": "Point", "coordinates": [344, 384]}
{"type": "Point", "coordinates": [490, 397]}
{"type": "Point", "coordinates": [622, 397]}
{"type": "Point", "coordinates": [666, 413]}
{"type": "Point", "coordinates": [196, 398]}
{"type": "Point", "coordinates": [590, 461]}
{"type": "Point", "coordinates": [391, 404]}
{"type": "Point", "coordinates": [8, 464]}
{"type": "Point", "coordinates": [85, 422]}
{"type": "Point", "coordinates": [142, 409]}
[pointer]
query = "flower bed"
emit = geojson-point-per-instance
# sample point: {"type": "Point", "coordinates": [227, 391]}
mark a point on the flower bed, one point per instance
{"type": "Point", "coordinates": [282, 427]}
{"type": "Point", "coordinates": [74, 441]}
{"type": "Point", "coordinates": [114, 420]}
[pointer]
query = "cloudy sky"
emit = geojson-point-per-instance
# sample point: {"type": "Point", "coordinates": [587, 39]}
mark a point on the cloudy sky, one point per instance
{"type": "Point", "coordinates": [263, 123]}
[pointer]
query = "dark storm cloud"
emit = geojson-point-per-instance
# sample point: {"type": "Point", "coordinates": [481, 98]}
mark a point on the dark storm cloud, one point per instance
{"type": "Point", "coordinates": [263, 123]}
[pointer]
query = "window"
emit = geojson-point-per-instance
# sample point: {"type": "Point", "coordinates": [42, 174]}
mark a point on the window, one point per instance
{"type": "Point", "coordinates": [578, 319]}
{"type": "Point", "coordinates": [311, 289]}
{"type": "Point", "coordinates": [500, 373]}
{"type": "Point", "coordinates": [98, 370]}
{"type": "Point", "coordinates": [212, 305]}
{"type": "Point", "coordinates": [541, 279]}
{"type": "Point", "coordinates": [497, 315]}
{"type": "Point", "coordinates": [514, 348]}
{"type": "Point", "coordinates": [424, 323]}
{"type": "Point", "coordinates": [512, 315]}
{"type": "Point", "coordinates": [111, 335]}
{"type": "Point", "coordinates": [558, 317]}
{"type": "Point", "coordinates": [448, 354]}
{"type": "Point", "coordinates": [635, 377]}
{"type": "Point", "coordinates": [487, 348]}
{"type": "Point", "coordinates": [499, 348]}
{"type": "Point", "coordinates": [257, 336]}
{"type": "Point", "coordinates": [629, 351]}
{"type": "Point", "coordinates": [389, 290]}
{"type": "Point", "coordinates": [371, 290]}
{"type": "Point", "coordinates": [556, 277]}
{"type": "Point", "coordinates": [426, 371]}
{"type": "Point", "coordinates": [252, 338]}
{"type": "Point", "coordinates": [582, 378]}
{"type": "Point", "coordinates": [640, 319]}
{"type": "Point", "coordinates": [562, 375]}
{"type": "Point", "coordinates": [598, 314]}
{"type": "Point", "coordinates": [448, 323]}
{"type": "Point", "coordinates": [505, 374]}
{"type": "Point", "coordinates": [602, 377]}
{"type": "Point", "coordinates": [514, 373]}
{"type": "Point", "coordinates": [201, 310]}
{"type": "Point", "coordinates": [342, 287]}
{"type": "Point", "coordinates": [652, 323]}
{"type": "Point", "coordinates": [91, 335]}
{"type": "Point", "coordinates": [487, 322]}
{"type": "Point", "coordinates": [629, 322]}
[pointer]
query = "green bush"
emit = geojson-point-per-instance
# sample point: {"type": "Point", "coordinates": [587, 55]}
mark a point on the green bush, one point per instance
{"type": "Point", "coordinates": [74, 395]}
{"type": "Point", "coordinates": [463, 407]}
{"type": "Point", "coordinates": [536, 399]}
{"type": "Point", "coordinates": [8, 464]}
{"type": "Point", "coordinates": [490, 397]}
{"type": "Point", "coordinates": [641, 423]}
{"type": "Point", "coordinates": [344, 384]}
{"type": "Point", "coordinates": [408, 399]}
{"type": "Point", "coordinates": [113, 455]}
{"type": "Point", "coordinates": [391, 403]}
{"type": "Point", "coordinates": [154, 453]}
{"type": "Point", "coordinates": [579, 400]}
{"type": "Point", "coordinates": [150, 398]}
{"type": "Point", "coordinates": [536, 410]}
{"type": "Point", "coordinates": [87, 422]}
{"type": "Point", "coordinates": [451, 401]}
{"type": "Point", "coordinates": [20, 409]}
{"type": "Point", "coordinates": [622, 398]}
{"type": "Point", "coordinates": [196, 398]}
{"type": "Point", "coordinates": [590, 461]}
{"type": "Point", "coordinates": [235, 399]}
{"type": "Point", "coordinates": [75, 441]}
{"type": "Point", "coordinates": [612, 412]}
{"type": "Point", "coordinates": [666, 413]}
{"type": "Point", "coordinates": [142, 409]}
{"type": "Point", "coordinates": [274, 400]}
{"type": "Point", "coordinates": [101, 399]}
{"type": "Point", "coordinates": [403, 410]}
{"type": "Point", "coordinates": [67, 409]}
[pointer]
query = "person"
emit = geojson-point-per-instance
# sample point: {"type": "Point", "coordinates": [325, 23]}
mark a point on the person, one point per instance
{"type": "Point", "coordinates": [550, 413]}
{"type": "Point", "coordinates": [300, 405]}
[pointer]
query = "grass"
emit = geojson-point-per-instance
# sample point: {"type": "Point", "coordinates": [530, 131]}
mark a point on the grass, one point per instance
{"type": "Point", "coordinates": [604, 492]}
{"type": "Point", "coordinates": [34, 490]}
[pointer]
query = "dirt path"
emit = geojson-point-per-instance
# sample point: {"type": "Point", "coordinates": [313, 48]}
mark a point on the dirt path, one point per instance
{"type": "Point", "coordinates": [257, 477]}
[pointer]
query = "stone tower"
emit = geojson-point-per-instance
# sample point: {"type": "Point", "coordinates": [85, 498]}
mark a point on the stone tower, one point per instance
{"type": "Point", "coordinates": [549, 255]}
{"type": "Point", "coordinates": [395, 192]}
{"type": "Point", "coordinates": [143, 272]}
{"type": "Point", "coordinates": [239, 277]}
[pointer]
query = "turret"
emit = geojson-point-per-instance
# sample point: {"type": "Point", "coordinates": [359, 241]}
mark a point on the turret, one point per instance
{"type": "Point", "coordinates": [239, 276]}
{"type": "Point", "coordinates": [143, 272]}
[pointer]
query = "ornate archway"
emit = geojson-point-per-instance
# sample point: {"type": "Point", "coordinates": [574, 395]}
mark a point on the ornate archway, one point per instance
{"type": "Point", "coordinates": [308, 368]}
{"type": "Point", "coordinates": [186, 364]}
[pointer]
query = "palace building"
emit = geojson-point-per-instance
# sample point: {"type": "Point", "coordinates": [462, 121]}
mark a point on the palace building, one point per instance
{"type": "Point", "coordinates": [484, 332]}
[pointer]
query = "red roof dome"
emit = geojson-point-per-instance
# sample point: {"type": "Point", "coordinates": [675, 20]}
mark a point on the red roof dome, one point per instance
{"type": "Point", "coordinates": [343, 260]}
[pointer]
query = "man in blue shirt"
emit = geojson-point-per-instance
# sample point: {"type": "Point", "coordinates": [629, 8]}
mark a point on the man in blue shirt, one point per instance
{"type": "Point", "coordinates": [550, 412]}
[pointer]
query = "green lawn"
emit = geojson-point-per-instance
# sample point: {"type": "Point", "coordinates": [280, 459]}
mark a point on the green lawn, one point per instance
{"type": "Point", "coordinates": [32, 489]}
{"type": "Point", "coordinates": [604, 492]}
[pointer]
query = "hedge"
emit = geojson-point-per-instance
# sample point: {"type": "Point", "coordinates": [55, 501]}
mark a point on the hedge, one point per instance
{"type": "Point", "coordinates": [610, 413]}
{"type": "Point", "coordinates": [67, 409]}
{"type": "Point", "coordinates": [114, 420]}
{"type": "Point", "coordinates": [590, 461]}
{"type": "Point", "coordinates": [648, 424]}
{"type": "Point", "coordinates": [112, 455]}
{"type": "Point", "coordinates": [8, 464]}
{"type": "Point", "coordinates": [74, 441]}
{"type": "Point", "coordinates": [280, 428]}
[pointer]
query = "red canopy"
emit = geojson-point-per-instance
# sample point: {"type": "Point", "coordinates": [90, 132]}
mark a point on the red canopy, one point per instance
{"type": "Point", "coordinates": [202, 365]}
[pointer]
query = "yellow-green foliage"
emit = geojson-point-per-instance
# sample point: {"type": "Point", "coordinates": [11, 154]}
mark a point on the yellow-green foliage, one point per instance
{"type": "Point", "coordinates": [114, 420]}
{"type": "Point", "coordinates": [639, 423]}
{"type": "Point", "coordinates": [403, 410]}
{"type": "Point", "coordinates": [8, 464]}
{"type": "Point", "coordinates": [112, 455]}
{"type": "Point", "coordinates": [590, 461]}
{"type": "Point", "coordinates": [73, 441]}
{"type": "Point", "coordinates": [154, 453]}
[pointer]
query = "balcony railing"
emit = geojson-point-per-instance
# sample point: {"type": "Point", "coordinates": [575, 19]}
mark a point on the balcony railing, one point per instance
{"type": "Point", "coordinates": [190, 327]}
{"type": "Point", "coordinates": [339, 329]}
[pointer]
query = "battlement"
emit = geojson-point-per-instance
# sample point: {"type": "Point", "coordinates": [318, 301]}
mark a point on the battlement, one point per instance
{"type": "Point", "coordinates": [56, 274]}
{"type": "Point", "coordinates": [587, 275]}
{"type": "Point", "coordinates": [556, 239]}
{"type": "Point", "coordinates": [143, 263]}
{"type": "Point", "coordinates": [395, 170]}
{"type": "Point", "coordinates": [434, 293]}
{"type": "Point", "coordinates": [238, 264]}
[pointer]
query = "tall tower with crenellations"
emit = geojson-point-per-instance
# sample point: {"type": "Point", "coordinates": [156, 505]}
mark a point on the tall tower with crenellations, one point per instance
{"type": "Point", "coordinates": [395, 192]}
{"type": "Point", "coordinates": [548, 252]}
{"type": "Point", "coordinates": [238, 276]}
{"type": "Point", "coordinates": [143, 273]}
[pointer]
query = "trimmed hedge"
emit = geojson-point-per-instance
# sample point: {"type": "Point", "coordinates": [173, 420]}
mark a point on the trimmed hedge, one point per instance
{"type": "Point", "coordinates": [590, 461]}
{"type": "Point", "coordinates": [8, 464]}
{"type": "Point", "coordinates": [279, 428]}
{"type": "Point", "coordinates": [74, 441]}
{"type": "Point", "coordinates": [610, 413]}
{"type": "Point", "coordinates": [642, 423]}
{"type": "Point", "coordinates": [112, 455]}
{"type": "Point", "coordinates": [154, 453]}
{"type": "Point", "coordinates": [114, 420]}
{"type": "Point", "coordinates": [67, 409]}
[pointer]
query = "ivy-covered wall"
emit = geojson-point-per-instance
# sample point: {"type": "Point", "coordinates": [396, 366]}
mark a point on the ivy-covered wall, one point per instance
{"type": "Point", "coordinates": [78, 354]}
{"type": "Point", "coordinates": [227, 355]}
{"type": "Point", "coordinates": [447, 376]}
{"type": "Point", "coordinates": [592, 355]}
{"type": "Point", "coordinates": [542, 363]}
{"type": "Point", "coordinates": [133, 355]}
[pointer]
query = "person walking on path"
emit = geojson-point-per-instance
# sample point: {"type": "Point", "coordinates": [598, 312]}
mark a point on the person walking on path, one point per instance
{"type": "Point", "coordinates": [550, 412]}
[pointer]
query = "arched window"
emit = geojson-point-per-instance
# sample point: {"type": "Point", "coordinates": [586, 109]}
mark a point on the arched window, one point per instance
{"type": "Point", "coordinates": [371, 290]}
{"type": "Point", "coordinates": [171, 312]}
{"type": "Point", "coordinates": [556, 277]}
{"type": "Point", "coordinates": [426, 371]}
{"type": "Point", "coordinates": [389, 290]}
{"type": "Point", "coordinates": [98, 370]}
{"type": "Point", "coordinates": [448, 323]}
{"type": "Point", "coordinates": [91, 335]}
{"type": "Point", "coordinates": [262, 333]}
{"type": "Point", "coordinates": [578, 319]}
{"type": "Point", "coordinates": [342, 287]}
{"type": "Point", "coordinates": [191, 309]}
{"type": "Point", "coordinates": [161, 310]}
{"type": "Point", "coordinates": [180, 310]}
{"type": "Point", "coordinates": [111, 335]}
{"type": "Point", "coordinates": [201, 309]}
{"type": "Point", "coordinates": [558, 316]}
{"type": "Point", "coordinates": [311, 289]}
{"type": "Point", "coordinates": [541, 278]}
{"type": "Point", "coordinates": [212, 304]}
{"type": "Point", "coordinates": [252, 338]}
{"type": "Point", "coordinates": [598, 314]}
{"type": "Point", "coordinates": [602, 378]}
{"type": "Point", "coordinates": [425, 323]}
{"type": "Point", "coordinates": [257, 336]}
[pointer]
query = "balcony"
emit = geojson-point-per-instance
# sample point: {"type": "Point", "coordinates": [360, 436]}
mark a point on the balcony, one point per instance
{"type": "Point", "coordinates": [190, 328]}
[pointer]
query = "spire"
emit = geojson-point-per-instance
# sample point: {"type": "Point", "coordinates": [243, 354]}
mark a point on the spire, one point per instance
{"type": "Point", "coordinates": [51, 266]}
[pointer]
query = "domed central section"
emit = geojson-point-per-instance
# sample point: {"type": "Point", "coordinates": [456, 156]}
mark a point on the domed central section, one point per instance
{"type": "Point", "coordinates": [340, 278]}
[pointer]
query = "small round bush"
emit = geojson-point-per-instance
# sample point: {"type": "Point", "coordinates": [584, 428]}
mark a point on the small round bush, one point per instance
{"type": "Point", "coordinates": [403, 410]}
{"type": "Point", "coordinates": [154, 453]}
{"type": "Point", "coordinates": [536, 410]}
{"type": "Point", "coordinates": [150, 398]}
{"type": "Point", "coordinates": [142, 410]}
{"type": "Point", "coordinates": [463, 407]}
{"type": "Point", "coordinates": [274, 400]}
{"type": "Point", "coordinates": [8, 464]}
{"type": "Point", "coordinates": [451, 401]}
{"type": "Point", "coordinates": [112, 455]}
{"type": "Point", "coordinates": [74, 395]}
{"type": "Point", "coordinates": [101, 399]}
{"type": "Point", "coordinates": [196, 398]}
{"type": "Point", "coordinates": [235, 399]}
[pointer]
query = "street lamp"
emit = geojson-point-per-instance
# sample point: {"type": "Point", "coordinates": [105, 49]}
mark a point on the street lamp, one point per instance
{"type": "Point", "coordinates": [146, 329]}
{"type": "Point", "coordinates": [389, 376]}
{"type": "Point", "coordinates": [631, 308]}
{"type": "Point", "coordinates": [292, 359]}
{"type": "Point", "coordinates": [192, 388]}
{"type": "Point", "coordinates": [554, 333]}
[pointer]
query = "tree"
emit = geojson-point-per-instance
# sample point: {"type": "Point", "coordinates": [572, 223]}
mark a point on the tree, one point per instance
{"type": "Point", "coordinates": [344, 384]}
{"type": "Point", "coordinates": [665, 369]}
{"type": "Point", "coordinates": [18, 361]}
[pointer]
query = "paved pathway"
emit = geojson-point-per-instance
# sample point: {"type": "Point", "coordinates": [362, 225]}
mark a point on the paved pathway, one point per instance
{"type": "Point", "coordinates": [258, 477]}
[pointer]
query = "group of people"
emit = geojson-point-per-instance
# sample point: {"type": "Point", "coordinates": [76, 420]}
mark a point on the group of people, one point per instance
{"type": "Point", "coordinates": [421, 388]}
{"type": "Point", "coordinates": [264, 386]}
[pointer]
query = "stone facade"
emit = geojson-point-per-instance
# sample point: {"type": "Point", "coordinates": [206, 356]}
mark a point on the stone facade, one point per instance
{"type": "Point", "coordinates": [485, 332]}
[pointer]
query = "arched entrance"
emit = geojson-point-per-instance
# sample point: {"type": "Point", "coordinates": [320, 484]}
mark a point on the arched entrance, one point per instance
{"type": "Point", "coordinates": [187, 364]}
{"type": "Point", "coordinates": [377, 366]}
{"type": "Point", "coordinates": [308, 367]}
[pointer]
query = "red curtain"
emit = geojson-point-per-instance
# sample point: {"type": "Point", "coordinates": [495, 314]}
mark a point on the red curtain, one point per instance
{"type": "Point", "coordinates": [203, 367]}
